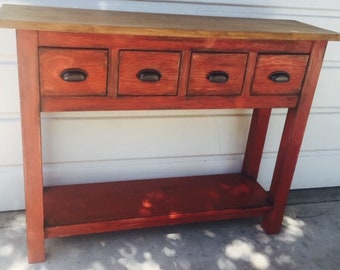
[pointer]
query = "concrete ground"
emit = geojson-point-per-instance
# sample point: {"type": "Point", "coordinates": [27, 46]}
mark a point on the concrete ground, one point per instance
{"type": "Point", "coordinates": [310, 239]}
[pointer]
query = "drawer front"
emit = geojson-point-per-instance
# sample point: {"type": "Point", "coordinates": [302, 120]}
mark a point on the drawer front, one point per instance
{"type": "Point", "coordinates": [279, 74]}
{"type": "Point", "coordinates": [217, 73]}
{"type": "Point", "coordinates": [73, 72]}
{"type": "Point", "coordinates": [148, 73]}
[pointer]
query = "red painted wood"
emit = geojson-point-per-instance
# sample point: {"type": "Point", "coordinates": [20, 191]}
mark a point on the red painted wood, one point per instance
{"type": "Point", "coordinates": [54, 104]}
{"type": "Point", "coordinates": [291, 142]}
{"type": "Point", "coordinates": [249, 75]}
{"type": "Point", "coordinates": [137, 223]}
{"type": "Point", "coordinates": [58, 39]}
{"type": "Point", "coordinates": [202, 64]}
{"type": "Point", "coordinates": [31, 140]}
{"type": "Point", "coordinates": [52, 62]}
{"type": "Point", "coordinates": [154, 202]}
{"type": "Point", "coordinates": [131, 63]}
{"type": "Point", "coordinates": [255, 143]}
{"type": "Point", "coordinates": [184, 73]}
{"type": "Point", "coordinates": [294, 65]}
{"type": "Point", "coordinates": [112, 73]}
{"type": "Point", "coordinates": [182, 61]}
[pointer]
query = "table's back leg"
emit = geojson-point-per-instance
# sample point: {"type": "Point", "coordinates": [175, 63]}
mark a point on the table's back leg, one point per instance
{"type": "Point", "coordinates": [27, 47]}
{"type": "Point", "coordinates": [256, 140]}
{"type": "Point", "coordinates": [291, 142]}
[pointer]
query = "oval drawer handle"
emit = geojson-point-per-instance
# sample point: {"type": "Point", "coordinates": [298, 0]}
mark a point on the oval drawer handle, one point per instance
{"type": "Point", "coordinates": [279, 76]}
{"type": "Point", "coordinates": [73, 75]}
{"type": "Point", "coordinates": [218, 76]}
{"type": "Point", "coordinates": [149, 75]}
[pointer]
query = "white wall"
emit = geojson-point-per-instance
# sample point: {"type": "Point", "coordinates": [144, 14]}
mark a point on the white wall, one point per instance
{"type": "Point", "coordinates": [102, 146]}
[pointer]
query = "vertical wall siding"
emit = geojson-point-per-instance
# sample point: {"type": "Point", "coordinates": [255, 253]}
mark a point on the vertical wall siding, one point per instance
{"type": "Point", "coordinates": [103, 146]}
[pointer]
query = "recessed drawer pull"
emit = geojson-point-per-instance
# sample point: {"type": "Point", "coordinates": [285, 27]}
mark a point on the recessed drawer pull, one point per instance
{"type": "Point", "coordinates": [149, 75]}
{"type": "Point", "coordinates": [74, 75]}
{"type": "Point", "coordinates": [279, 76]}
{"type": "Point", "coordinates": [218, 76]}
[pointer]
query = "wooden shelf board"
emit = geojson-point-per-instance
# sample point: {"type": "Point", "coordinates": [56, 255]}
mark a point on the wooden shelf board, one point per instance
{"type": "Point", "coordinates": [101, 207]}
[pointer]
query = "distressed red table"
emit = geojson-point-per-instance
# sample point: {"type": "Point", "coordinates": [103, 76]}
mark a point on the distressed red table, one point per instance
{"type": "Point", "coordinates": [85, 60]}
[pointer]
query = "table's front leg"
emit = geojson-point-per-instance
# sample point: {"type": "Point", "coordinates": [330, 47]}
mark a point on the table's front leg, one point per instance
{"type": "Point", "coordinates": [27, 48]}
{"type": "Point", "coordinates": [291, 142]}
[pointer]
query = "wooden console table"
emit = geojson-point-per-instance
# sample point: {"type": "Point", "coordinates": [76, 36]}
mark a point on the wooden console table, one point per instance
{"type": "Point", "coordinates": [86, 60]}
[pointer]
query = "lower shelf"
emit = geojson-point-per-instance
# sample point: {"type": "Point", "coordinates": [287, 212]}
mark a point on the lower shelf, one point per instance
{"type": "Point", "coordinates": [103, 207]}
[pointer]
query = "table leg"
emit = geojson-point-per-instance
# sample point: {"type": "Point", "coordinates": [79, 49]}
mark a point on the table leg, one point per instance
{"type": "Point", "coordinates": [31, 139]}
{"type": "Point", "coordinates": [291, 141]}
{"type": "Point", "coordinates": [256, 140]}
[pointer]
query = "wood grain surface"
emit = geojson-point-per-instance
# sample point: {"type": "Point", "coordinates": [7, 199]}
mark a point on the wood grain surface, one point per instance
{"type": "Point", "coordinates": [132, 23]}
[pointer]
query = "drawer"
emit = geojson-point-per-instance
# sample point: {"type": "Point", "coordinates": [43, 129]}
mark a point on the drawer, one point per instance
{"type": "Point", "coordinates": [148, 73]}
{"type": "Point", "coordinates": [279, 74]}
{"type": "Point", "coordinates": [217, 73]}
{"type": "Point", "coordinates": [73, 72]}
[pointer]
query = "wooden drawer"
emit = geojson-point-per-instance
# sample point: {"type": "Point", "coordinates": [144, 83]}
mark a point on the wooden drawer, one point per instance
{"type": "Point", "coordinates": [73, 72]}
{"type": "Point", "coordinates": [217, 73]}
{"type": "Point", "coordinates": [279, 74]}
{"type": "Point", "coordinates": [148, 73]}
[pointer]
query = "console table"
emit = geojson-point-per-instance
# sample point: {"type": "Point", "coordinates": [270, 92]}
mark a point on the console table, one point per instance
{"type": "Point", "coordinates": [87, 60]}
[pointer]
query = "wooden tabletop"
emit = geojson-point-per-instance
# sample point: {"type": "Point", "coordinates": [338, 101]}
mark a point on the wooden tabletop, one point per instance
{"type": "Point", "coordinates": [134, 23]}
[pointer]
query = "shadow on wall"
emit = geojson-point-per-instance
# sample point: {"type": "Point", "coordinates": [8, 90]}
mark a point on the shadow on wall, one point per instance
{"type": "Point", "coordinates": [225, 245]}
